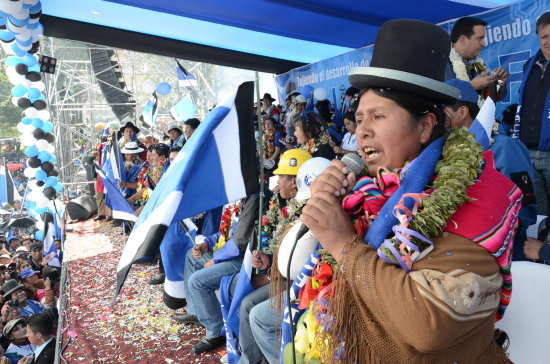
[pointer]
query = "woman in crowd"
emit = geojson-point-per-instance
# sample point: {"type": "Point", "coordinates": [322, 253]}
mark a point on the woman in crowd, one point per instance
{"type": "Point", "coordinates": [349, 142]}
{"type": "Point", "coordinates": [389, 301]}
{"type": "Point", "coordinates": [174, 131]}
{"type": "Point", "coordinates": [312, 136]}
{"type": "Point", "coordinates": [272, 144]}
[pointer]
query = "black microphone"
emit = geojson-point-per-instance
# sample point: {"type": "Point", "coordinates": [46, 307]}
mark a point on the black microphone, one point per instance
{"type": "Point", "coordinates": [354, 164]}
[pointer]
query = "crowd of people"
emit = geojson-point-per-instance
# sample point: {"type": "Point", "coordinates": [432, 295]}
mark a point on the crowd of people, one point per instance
{"type": "Point", "coordinates": [443, 213]}
{"type": "Point", "coordinates": [30, 293]}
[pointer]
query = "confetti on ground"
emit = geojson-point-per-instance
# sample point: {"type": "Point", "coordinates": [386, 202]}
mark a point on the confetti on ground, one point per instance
{"type": "Point", "coordinates": [138, 327]}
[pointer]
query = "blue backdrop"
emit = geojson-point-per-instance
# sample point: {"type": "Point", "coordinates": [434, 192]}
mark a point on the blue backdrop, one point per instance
{"type": "Point", "coordinates": [510, 40]}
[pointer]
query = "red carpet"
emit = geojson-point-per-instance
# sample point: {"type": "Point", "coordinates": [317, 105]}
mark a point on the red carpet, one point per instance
{"type": "Point", "coordinates": [138, 328]}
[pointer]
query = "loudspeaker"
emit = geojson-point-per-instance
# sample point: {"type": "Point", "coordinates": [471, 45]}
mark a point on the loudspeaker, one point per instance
{"type": "Point", "coordinates": [81, 208]}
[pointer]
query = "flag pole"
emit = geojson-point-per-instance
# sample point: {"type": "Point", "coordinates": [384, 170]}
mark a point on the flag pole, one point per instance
{"type": "Point", "coordinates": [262, 174]}
{"type": "Point", "coordinates": [182, 225]}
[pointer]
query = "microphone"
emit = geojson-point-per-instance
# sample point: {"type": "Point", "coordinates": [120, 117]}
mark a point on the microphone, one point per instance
{"type": "Point", "coordinates": [354, 164]}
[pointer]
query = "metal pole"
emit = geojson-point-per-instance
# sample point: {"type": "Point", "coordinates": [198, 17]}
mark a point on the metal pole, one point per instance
{"type": "Point", "coordinates": [262, 175]}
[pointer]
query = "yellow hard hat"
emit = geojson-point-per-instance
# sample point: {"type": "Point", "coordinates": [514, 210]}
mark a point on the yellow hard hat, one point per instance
{"type": "Point", "coordinates": [291, 161]}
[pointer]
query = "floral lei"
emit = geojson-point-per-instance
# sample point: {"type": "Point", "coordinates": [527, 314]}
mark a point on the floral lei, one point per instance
{"type": "Point", "coordinates": [457, 170]}
{"type": "Point", "coordinates": [276, 221]}
{"type": "Point", "coordinates": [268, 145]}
{"type": "Point", "coordinates": [461, 69]}
{"type": "Point", "coordinates": [312, 145]}
{"type": "Point", "coordinates": [226, 224]}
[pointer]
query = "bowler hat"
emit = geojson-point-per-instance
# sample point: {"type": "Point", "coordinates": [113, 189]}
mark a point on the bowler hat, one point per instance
{"type": "Point", "coordinates": [129, 124]}
{"type": "Point", "coordinates": [10, 286]}
{"type": "Point", "coordinates": [409, 55]}
{"type": "Point", "coordinates": [11, 325]}
{"type": "Point", "coordinates": [268, 96]}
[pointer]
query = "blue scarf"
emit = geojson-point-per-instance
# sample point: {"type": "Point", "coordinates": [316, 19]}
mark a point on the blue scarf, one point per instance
{"type": "Point", "coordinates": [544, 141]}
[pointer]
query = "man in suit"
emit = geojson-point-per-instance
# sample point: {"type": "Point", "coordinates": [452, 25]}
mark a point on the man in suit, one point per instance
{"type": "Point", "coordinates": [39, 332]}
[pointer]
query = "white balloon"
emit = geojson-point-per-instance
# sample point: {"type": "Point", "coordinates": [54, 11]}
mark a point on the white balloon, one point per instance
{"type": "Point", "coordinates": [148, 87]}
{"type": "Point", "coordinates": [24, 35]}
{"type": "Point", "coordinates": [20, 127]}
{"type": "Point", "coordinates": [43, 114]}
{"type": "Point", "coordinates": [31, 112]}
{"type": "Point", "coordinates": [25, 47]}
{"type": "Point", "coordinates": [22, 14]}
{"type": "Point", "coordinates": [320, 94]}
{"type": "Point", "coordinates": [14, 100]}
{"type": "Point", "coordinates": [16, 79]}
{"type": "Point", "coordinates": [42, 201]}
{"type": "Point", "coordinates": [29, 173]}
{"type": "Point", "coordinates": [11, 7]}
{"type": "Point", "coordinates": [30, 2]}
{"type": "Point", "coordinates": [27, 83]}
{"type": "Point", "coordinates": [32, 185]}
{"type": "Point", "coordinates": [36, 194]}
{"type": "Point", "coordinates": [39, 85]}
{"type": "Point", "coordinates": [27, 139]}
{"type": "Point", "coordinates": [51, 149]}
{"type": "Point", "coordinates": [42, 144]}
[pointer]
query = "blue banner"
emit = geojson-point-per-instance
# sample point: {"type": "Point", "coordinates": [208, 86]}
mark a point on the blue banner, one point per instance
{"type": "Point", "coordinates": [510, 40]}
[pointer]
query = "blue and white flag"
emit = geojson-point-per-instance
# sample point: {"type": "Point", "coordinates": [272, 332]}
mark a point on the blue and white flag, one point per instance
{"type": "Point", "coordinates": [216, 166]}
{"type": "Point", "coordinates": [8, 191]}
{"type": "Point", "coordinates": [231, 308]}
{"type": "Point", "coordinates": [179, 238]}
{"type": "Point", "coordinates": [114, 199]}
{"type": "Point", "coordinates": [482, 126]}
{"type": "Point", "coordinates": [186, 81]}
{"type": "Point", "coordinates": [48, 240]}
{"type": "Point", "coordinates": [183, 110]}
{"type": "Point", "coordinates": [299, 282]}
{"type": "Point", "coordinates": [150, 111]}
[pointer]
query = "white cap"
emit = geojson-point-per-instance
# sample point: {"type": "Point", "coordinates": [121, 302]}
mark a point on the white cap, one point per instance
{"type": "Point", "coordinates": [300, 99]}
{"type": "Point", "coordinates": [22, 248]}
{"type": "Point", "coordinates": [307, 173]}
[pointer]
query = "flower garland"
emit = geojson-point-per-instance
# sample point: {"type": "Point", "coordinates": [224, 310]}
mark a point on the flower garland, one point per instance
{"type": "Point", "coordinates": [268, 144]}
{"type": "Point", "coordinates": [457, 170]}
{"type": "Point", "coordinates": [226, 224]}
{"type": "Point", "coordinates": [312, 145]}
{"type": "Point", "coordinates": [282, 219]}
{"type": "Point", "coordinates": [461, 69]}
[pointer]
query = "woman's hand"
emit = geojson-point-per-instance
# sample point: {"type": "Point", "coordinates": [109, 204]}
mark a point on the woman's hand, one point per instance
{"type": "Point", "coordinates": [259, 260]}
{"type": "Point", "coordinates": [47, 284]}
{"type": "Point", "coordinates": [325, 218]}
{"type": "Point", "coordinates": [334, 180]}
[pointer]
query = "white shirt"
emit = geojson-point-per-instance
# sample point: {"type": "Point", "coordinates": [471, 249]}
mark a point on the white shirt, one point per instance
{"type": "Point", "coordinates": [349, 142]}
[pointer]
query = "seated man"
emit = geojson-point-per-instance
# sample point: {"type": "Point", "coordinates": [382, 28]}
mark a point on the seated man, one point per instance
{"type": "Point", "coordinates": [203, 273]}
{"type": "Point", "coordinates": [511, 158]}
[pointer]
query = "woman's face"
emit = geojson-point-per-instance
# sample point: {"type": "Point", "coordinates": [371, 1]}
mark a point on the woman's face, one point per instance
{"type": "Point", "coordinates": [19, 332]}
{"type": "Point", "coordinates": [129, 133]}
{"type": "Point", "coordinates": [158, 159]}
{"type": "Point", "coordinates": [24, 265]}
{"type": "Point", "coordinates": [387, 134]}
{"type": "Point", "coordinates": [299, 134]}
{"type": "Point", "coordinates": [300, 107]}
{"type": "Point", "coordinates": [174, 134]}
{"type": "Point", "coordinates": [350, 126]}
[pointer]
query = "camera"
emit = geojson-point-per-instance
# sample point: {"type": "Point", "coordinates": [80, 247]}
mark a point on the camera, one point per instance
{"type": "Point", "coordinates": [13, 303]}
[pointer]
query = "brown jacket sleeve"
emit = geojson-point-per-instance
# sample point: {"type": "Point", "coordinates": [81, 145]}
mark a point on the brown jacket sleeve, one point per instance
{"type": "Point", "coordinates": [447, 303]}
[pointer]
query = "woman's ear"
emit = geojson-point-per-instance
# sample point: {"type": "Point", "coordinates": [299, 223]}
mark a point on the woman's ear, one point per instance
{"type": "Point", "coordinates": [427, 126]}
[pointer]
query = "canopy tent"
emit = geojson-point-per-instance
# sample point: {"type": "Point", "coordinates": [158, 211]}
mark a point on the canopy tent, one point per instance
{"type": "Point", "coordinates": [265, 35]}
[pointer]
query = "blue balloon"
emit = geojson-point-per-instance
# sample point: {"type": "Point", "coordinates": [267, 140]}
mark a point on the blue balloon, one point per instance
{"type": "Point", "coordinates": [164, 88]}
{"type": "Point", "coordinates": [53, 159]}
{"type": "Point", "coordinates": [18, 91]}
{"type": "Point", "coordinates": [35, 8]}
{"type": "Point", "coordinates": [41, 175]}
{"type": "Point", "coordinates": [24, 43]}
{"type": "Point", "coordinates": [58, 187]}
{"type": "Point", "coordinates": [30, 204]}
{"type": "Point", "coordinates": [39, 235]}
{"type": "Point", "coordinates": [6, 36]}
{"type": "Point", "coordinates": [18, 22]}
{"type": "Point", "coordinates": [30, 61]}
{"type": "Point", "coordinates": [41, 210]}
{"type": "Point", "coordinates": [18, 51]}
{"type": "Point", "coordinates": [34, 93]}
{"type": "Point", "coordinates": [31, 151]}
{"type": "Point", "coordinates": [26, 120]}
{"type": "Point", "coordinates": [307, 90]}
{"type": "Point", "coordinates": [50, 181]}
{"type": "Point", "coordinates": [47, 126]}
{"type": "Point", "coordinates": [35, 68]}
{"type": "Point", "coordinates": [12, 60]}
{"type": "Point", "coordinates": [44, 156]}
{"type": "Point", "coordinates": [37, 123]}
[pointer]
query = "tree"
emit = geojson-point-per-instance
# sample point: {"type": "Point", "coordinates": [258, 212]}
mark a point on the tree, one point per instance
{"type": "Point", "coordinates": [10, 114]}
